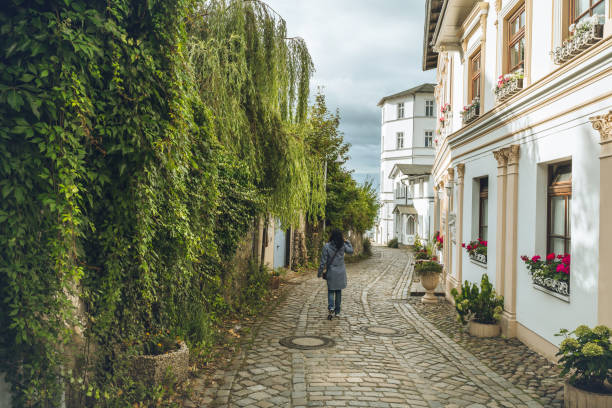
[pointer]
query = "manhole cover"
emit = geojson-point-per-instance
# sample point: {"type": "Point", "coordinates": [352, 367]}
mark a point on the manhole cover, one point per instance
{"type": "Point", "coordinates": [384, 331]}
{"type": "Point", "coordinates": [306, 342]}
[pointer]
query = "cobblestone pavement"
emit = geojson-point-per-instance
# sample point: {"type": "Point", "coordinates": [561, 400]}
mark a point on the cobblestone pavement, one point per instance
{"type": "Point", "coordinates": [422, 367]}
{"type": "Point", "coordinates": [508, 357]}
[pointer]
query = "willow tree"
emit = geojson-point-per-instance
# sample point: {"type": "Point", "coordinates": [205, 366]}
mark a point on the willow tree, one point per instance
{"type": "Point", "coordinates": [256, 82]}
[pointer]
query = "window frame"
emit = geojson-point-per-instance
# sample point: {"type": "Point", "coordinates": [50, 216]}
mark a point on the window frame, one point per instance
{"type": "Point", "coordinates": [397, 140]}
{"type": "Point", "coordinates": [512, 40]}
{"type": "Point", "coordinates": [572, 3]}
{"type": "Point", "coordinates": [561, 189]}
{"type": "Point", "coordinates": [429, 137]}
{"type": "Point", "coordinates": [474, 77]}
{"type": "Point", "coordinates": [400, 110]}
{"type": "Point", "coordinates": [483, 199]}
{"type": "Point", "coordinates": [429, 108]}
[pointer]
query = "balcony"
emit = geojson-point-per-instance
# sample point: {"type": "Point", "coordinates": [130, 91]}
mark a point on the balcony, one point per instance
{"type": "Point", "coordinates": [585, 34]}
{"type": "Point", "coordinates": [471, 112]}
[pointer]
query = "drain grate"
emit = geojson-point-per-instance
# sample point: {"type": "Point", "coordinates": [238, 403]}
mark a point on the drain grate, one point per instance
{"type": "Point", "coordinates": [383, 331]}
{"type": "Point", "coordinates": [306, 342]}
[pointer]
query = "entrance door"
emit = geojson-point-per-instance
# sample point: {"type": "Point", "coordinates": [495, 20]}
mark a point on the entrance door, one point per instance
{"type": "Point", "coordinates": [280, 246]}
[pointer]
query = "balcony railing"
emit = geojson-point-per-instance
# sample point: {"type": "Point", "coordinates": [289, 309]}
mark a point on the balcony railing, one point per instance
{"type": "Point", "coordinates": [471, 112]}
{"type": "Point", "coordinates": [510, 88]}
{"type": "Point", "coordinates": [590, 34]}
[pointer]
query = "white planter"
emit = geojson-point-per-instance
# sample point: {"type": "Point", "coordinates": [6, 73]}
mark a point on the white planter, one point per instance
{"type": "Point", "coordinates": [558, 289]}
{"type": "Point", "coordinates": [479, 259]}
{"type": "Point", "coordinates": [577, 45]}
{"type": "Point", "coordinates": [512, 87]}
{"type": "Point", "coordinates": [430, 282]}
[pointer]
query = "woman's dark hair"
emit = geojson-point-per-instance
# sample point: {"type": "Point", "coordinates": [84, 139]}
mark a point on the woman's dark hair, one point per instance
{"type": "Point", "coordinates": [336, 238]}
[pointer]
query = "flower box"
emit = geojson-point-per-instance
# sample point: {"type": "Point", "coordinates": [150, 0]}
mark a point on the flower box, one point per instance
{"type": "Point", "coordinates": [471, 112]}
{"type": "Point", "coordinates": [510, 88]}
{"type": "Point", "coordinates": [587, 33]}
{"type": "Point", "coordinates": [479, 259]}
{"type": "Point", "coordinates": [556, 288]}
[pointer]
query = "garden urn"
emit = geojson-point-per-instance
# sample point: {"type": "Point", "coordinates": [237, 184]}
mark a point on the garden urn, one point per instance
{"type": "Point", "coordinates": [430, 282]}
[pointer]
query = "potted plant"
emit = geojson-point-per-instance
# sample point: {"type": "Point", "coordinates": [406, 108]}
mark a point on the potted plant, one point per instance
{"type": "Point", "coordinates": [275, 282]}
{"type": "Point", "coordinates": [587, 354]}
{"type": "Point", "coordinates": [161, 354]}
{"type": "Point", "coordinates": [477, 250]}
{"type": "Point", "coordinates": [551, 275]}
{"type": "Point", "coordinates": [428, 271]}
{"type": "Point", "coordinates": [509, 84]}
{"type": "Point", "coordinates": [418, 244]}
{"type": "Point", "coordinates": [480, 309]}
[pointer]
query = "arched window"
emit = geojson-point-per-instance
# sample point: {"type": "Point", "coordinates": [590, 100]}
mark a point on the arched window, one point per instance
{"type": "Point", "coordinates": [410, 225]}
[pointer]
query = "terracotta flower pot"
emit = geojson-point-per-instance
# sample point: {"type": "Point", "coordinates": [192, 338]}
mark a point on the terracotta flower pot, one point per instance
{"type": "Point", "coordinates": [483, 330]}
{"type": "Point", "coordinates": [577, 398]}
{"type": "Point", "coordinates": [430, 282]}
{"type": "Point", "coordinates": [153, 369]}
{"type": "Point", "coordinates": [275, 283]}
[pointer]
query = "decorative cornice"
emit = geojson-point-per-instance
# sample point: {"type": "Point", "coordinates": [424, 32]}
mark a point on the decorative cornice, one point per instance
{"type": "Point", "coordinates": [514, 153]}
{"type": "Point", "coordinates": [603, 124]}
{"type": "Point", "coordinates": [460, 171]}
{"type": "Point", "coordinates": [451, 173]}
{"type": "Point", "coordinates": [498, 6]}
{"type": "Point", "coordinates": [501, 157]}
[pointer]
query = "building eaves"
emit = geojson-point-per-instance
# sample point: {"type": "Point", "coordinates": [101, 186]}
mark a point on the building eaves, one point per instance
{"type": "Point", "coordinates": [434, 11]}
{"type": "Point", "coordinates": [424, 88]}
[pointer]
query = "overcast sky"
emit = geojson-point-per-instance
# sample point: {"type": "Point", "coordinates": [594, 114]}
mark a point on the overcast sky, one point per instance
{"type": "Point", "coordinates": [362, 50]}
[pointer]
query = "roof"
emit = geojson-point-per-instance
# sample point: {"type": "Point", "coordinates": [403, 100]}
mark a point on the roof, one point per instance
{"type": "Point", "coordinates": [411, 169]}
{"type": "Point", "coordinates": [433, 9]}
{"type": "Point", "coordinates": [424, 88]}
{"type": "Point", "coordinates": [404, 209]}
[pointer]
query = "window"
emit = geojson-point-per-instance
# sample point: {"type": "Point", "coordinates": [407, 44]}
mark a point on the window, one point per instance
{"type": "Point", "coordinates": [400, 140]}
{"type": "Point", "coordinates": [483, 209]}
{"type": "Point", "coordinates": [400, 110]}
{"type": "Point", "coordinates": [474, 91]}
{"type": "Point", "coordinates": [428, 138]}
{"type": "Point", "coordinates": [580, 9]}
{"type": "Point", "coordinates": [429, 108]}
{"type": "Point", "coordinates": [516, 40]}
{"type": "Point", "coordinates": [559, 208]}
{"type": "Point", "coordinates": [410, 225]}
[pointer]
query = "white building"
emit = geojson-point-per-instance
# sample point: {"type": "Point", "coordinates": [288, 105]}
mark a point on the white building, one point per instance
{"type": "Point", "coordinates": [408, 124]}
{"type": "Point", "coordinates": [526, 166]}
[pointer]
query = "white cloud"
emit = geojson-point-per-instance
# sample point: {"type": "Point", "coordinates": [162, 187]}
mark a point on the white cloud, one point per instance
{"type": "Point", "coordinates": [362, 51]}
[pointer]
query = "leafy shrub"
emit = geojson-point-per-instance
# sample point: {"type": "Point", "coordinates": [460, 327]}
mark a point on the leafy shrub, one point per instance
{"type": "Point", "coordinates": [422, 254]}
{"type": "Point", "coordinates": [418, 244]}
{"type": "Point", "coordinates": [588, 355]}
{"type": "Point", "coordinates": [367, 247]}
{"type": "Point", "coordinates": [483, 306]}
{"type": "Point", "coordinates": [427, 268]}
{"type": "Point", "coordinates": [394, 243]}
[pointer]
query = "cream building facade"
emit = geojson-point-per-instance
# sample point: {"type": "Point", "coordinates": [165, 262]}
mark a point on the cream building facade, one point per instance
{"type": "Point", "coordinates": [524, 153]}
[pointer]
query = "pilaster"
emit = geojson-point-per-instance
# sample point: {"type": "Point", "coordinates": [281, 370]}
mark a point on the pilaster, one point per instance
{"type": "Point", "coordinates": [448, 239]}
{"type": "Point", "coordinates": [509, 316]}
{"type": "Point", "coordinates": [603, 124]}
{"type": "Point", "coordinates": [500, 236]}
{"type": "Point", "coordinates": [459, 221]}
{"type": "Point", "coordinates": [436, 210]}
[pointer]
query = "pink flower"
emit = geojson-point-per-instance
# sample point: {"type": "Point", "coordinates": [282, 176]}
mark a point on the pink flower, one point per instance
{"type": "Point", "coordinates": [560, 268]}
{"type": "Point", "coordinates": [485, 243]}
{"type": "Point", "coordinates": [463, 245]}
{"type": "Point", "coordinates": [550, 257]}
{"type": "Point", "coordinates": [566, 259]}
{"type": "Point", "coordinates": [536, 258]}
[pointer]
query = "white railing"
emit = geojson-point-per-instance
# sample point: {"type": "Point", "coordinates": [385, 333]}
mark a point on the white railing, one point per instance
{"type": "Point", "coordinates": [587, 34]}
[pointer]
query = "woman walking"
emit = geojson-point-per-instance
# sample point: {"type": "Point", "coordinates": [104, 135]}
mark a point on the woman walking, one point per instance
{"type": "Point", "coordinates": [332, 269]}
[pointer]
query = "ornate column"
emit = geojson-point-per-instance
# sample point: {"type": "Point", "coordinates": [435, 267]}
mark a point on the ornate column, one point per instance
{"type": "Point", "coordinates": [500, 236]}
{"type": "Point", "coordinates": [508, 322]}
{"type": "Point", "coordinates": [603, 124]}
{"type": "Point", "coordinates": [436, 209]}
{"type": "Point", "coordinates": [459, 222]}
{"type": "Point", "coordinates": [448, 239]}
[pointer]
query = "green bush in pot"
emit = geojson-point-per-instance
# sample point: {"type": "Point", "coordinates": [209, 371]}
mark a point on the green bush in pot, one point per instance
{"type": "Point", "coordinates": [587, 354]}
{"type": "Point", "coordinates": [427, 267]}
{"type": "Point", "coordinates": [482, 305]}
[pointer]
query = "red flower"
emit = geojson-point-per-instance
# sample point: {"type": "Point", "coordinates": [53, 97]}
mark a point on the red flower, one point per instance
{"type": "Point", "coordinates": [463, 245]}
{"type": "Point", "coordinates": [484, 243]}
{"type": "Point", "coordinates": [566, 259]}
{"type": "Point", "coordinates": [550, 257]}
{"type": "Point", "coordinates": [434, 258]}
{"type": "Point", "coordinates": [536, 258]}
{"type": "Point", "coordinates": [559, 256]}
{"type": "Point", "coordinates": [524, 258]}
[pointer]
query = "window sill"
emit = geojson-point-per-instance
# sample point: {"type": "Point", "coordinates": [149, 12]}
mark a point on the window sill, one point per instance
{"type": "Point", "coordinates": [558, 289]}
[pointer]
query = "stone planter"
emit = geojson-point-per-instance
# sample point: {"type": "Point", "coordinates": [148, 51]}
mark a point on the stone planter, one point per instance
{"type": "Point", "coordinates": [153, 369]}
{"type": "Point", "coordinates": [558, 289]}
{"type": "Point", "coordinates": [430, 282]}
{"type": "Point", "coordinates": [483, 330]}
{"type": "Point", "coordinates": [576, 398]}
{"type": "Point", "coordinates": [577, 44]}
{"type": "Point", "coordinates": [275, 282]}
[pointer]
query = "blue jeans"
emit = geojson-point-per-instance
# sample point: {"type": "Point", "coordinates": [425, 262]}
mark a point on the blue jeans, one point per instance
{"type": "Point", "coordinates": [331, 305]}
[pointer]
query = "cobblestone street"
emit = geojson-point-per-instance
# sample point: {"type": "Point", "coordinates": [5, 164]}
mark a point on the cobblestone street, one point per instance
{"type": "Point", "coordinates": [387, 353]}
